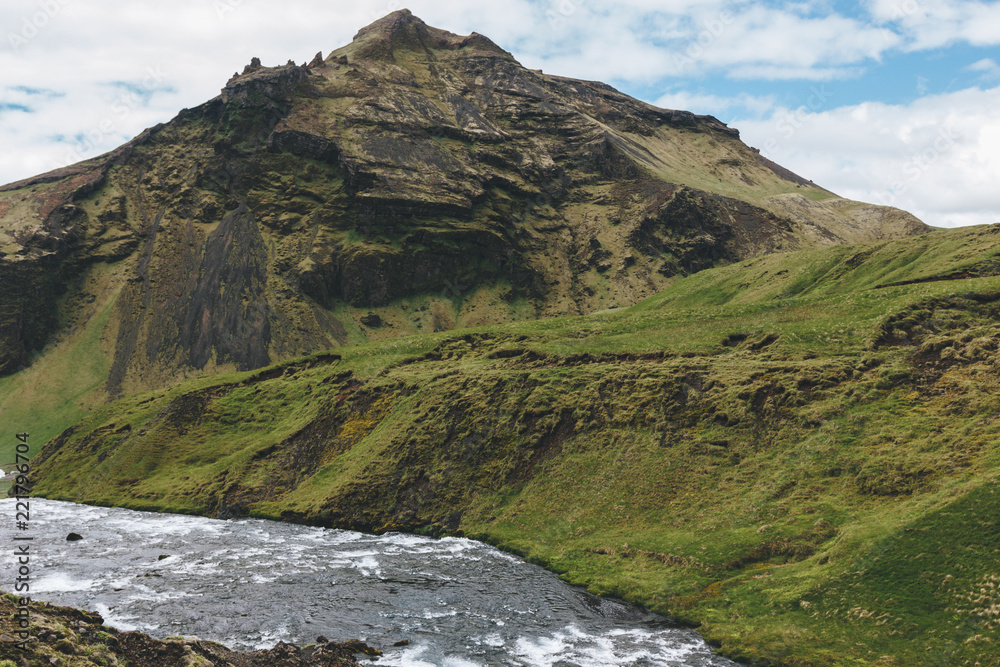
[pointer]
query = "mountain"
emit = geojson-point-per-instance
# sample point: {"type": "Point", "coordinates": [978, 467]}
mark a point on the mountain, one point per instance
{"type": "Point", "coordinates": [648, 358]}
{"type": "Point", "coordinates": [412, 181]}
{"type": "Point", "coordinates": [797, 452]}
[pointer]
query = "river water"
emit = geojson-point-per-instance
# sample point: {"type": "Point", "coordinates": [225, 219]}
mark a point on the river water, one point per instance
{"type": "Point", "coordinates": [249, 583]}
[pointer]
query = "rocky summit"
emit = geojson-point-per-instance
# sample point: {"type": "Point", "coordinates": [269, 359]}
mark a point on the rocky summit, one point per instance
{"type": "Point", "coordinates": [414, 180]}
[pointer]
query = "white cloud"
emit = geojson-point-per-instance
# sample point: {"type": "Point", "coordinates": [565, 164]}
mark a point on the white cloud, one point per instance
{"type": "Point", "coordinates": [984, 65]}
{"type": "Point", "coordinates": [767, 35]}
{"type": "Point", "coordinates": [938, 157]}
{"type": "Point", "coordinates": [989, 69]}
{"type": "Point", "coordinates": [717, 105]}
{"type": "Point", "coordinates": [929, 24]}
{"type": "Point", "coordinates": [121, 67]}
{"type": "Point", "coordinates": [740, 38]}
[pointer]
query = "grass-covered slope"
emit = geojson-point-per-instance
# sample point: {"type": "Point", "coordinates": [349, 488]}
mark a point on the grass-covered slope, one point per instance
{"type": "Point", "coordinates": [798, 452]}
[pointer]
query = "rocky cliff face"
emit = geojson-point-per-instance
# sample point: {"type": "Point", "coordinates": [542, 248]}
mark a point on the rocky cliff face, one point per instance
{"type": "Point", "coordinates": [414, 180]}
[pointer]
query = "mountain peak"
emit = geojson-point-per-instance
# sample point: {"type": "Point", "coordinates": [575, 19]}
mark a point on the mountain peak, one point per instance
{"type": "Point", "coordinates": [402, 31]}
{"type": "Point", "coordinates": [393, 26]}
{"type": "Point", "coordinates": [398, 31]}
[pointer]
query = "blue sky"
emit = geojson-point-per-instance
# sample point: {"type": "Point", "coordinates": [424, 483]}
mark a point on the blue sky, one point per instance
{"type": "Point", "coordinates": [890, 101]}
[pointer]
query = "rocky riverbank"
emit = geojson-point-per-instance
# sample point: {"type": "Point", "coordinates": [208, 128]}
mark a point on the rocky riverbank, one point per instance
{"type": "Point", "coordinates": [68, 637]}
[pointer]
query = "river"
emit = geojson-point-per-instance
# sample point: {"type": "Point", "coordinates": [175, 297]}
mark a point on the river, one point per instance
{"type": "Point", "coordinates": [249, 583]}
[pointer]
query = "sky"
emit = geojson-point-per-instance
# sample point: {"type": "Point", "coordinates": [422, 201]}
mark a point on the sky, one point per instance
{"type": "Point", "coordinates": [894, 102]}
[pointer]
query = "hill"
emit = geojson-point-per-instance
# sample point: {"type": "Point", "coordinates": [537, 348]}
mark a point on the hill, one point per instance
{"type": "Point", "coordinates": [797, 452]}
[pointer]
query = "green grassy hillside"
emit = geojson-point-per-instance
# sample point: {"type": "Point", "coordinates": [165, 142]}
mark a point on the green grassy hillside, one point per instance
{"type": "Point", "coordinates": [798, 452]}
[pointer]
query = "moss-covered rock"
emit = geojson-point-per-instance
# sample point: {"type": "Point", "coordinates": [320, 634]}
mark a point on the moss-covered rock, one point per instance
{"type": "Point", "coordinates": [68, 637]}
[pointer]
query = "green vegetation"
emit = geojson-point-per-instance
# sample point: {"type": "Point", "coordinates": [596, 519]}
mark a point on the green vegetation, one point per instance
{"type": "Point", "coordinates": [711, 163]}
{"type": "Point", "coordinates": [62, 383]}
{"type": "Point", "coordinates": [797, 452]}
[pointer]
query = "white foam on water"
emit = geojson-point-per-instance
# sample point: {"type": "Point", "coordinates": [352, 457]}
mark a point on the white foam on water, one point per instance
{"type": "Point", "coordinates": [315, 532]}
{"type": "Point", "coordinates": [123, 623]}
{"type": "Point", "coordinates": [265, 640]}
{"type": "Point", "coordinates": [610, 649]}
{"type": "Point", "coordinates": [158, 596]}
{"type": "Point", "coordinates": [198, 568]}
{"type": "Point", "coordinates": [368, 566]}
{"type": "Point", "coordinates": [246, 554]}
{"type": "Point", "coordinates": [59, 582]}
{"type": "Point", "coordinates": [458, 544]}
{"type": "Point", "coordinates": [540, 650]}
{"type": "Point", "coordinates": [405, 540]}
{"type": "Point", "coordinates": [494, 640]}
{"type": "Point", "coordinates": [262, 533]}
{"type": "Point", "coordinates": [458, 555]}
{"type": "Point", "coordinates": [149, 526]}
{"type": "Point", "coordinates": [496, 554]}
{"type": "Point", "coordinates": [409, 658]}
{"type": "Point", "coordinates": [412, 656]}
{"type": "Point", "coordinates": [452, 661]}
{"type": "Point", "coordinates": [292, 554]}
{"type": "Point", "coordinates": [122, 581]}
{"type": "Point", "coordinates": [357, 554]}
{"type": "Point", "coordinates": [336, 537]}
{"type": "Point", "coordinates": [46, 512]}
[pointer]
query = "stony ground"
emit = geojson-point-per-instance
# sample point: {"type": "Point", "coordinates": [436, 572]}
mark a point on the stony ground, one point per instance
{"type": "Point", "coordinates": [67, 637]}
